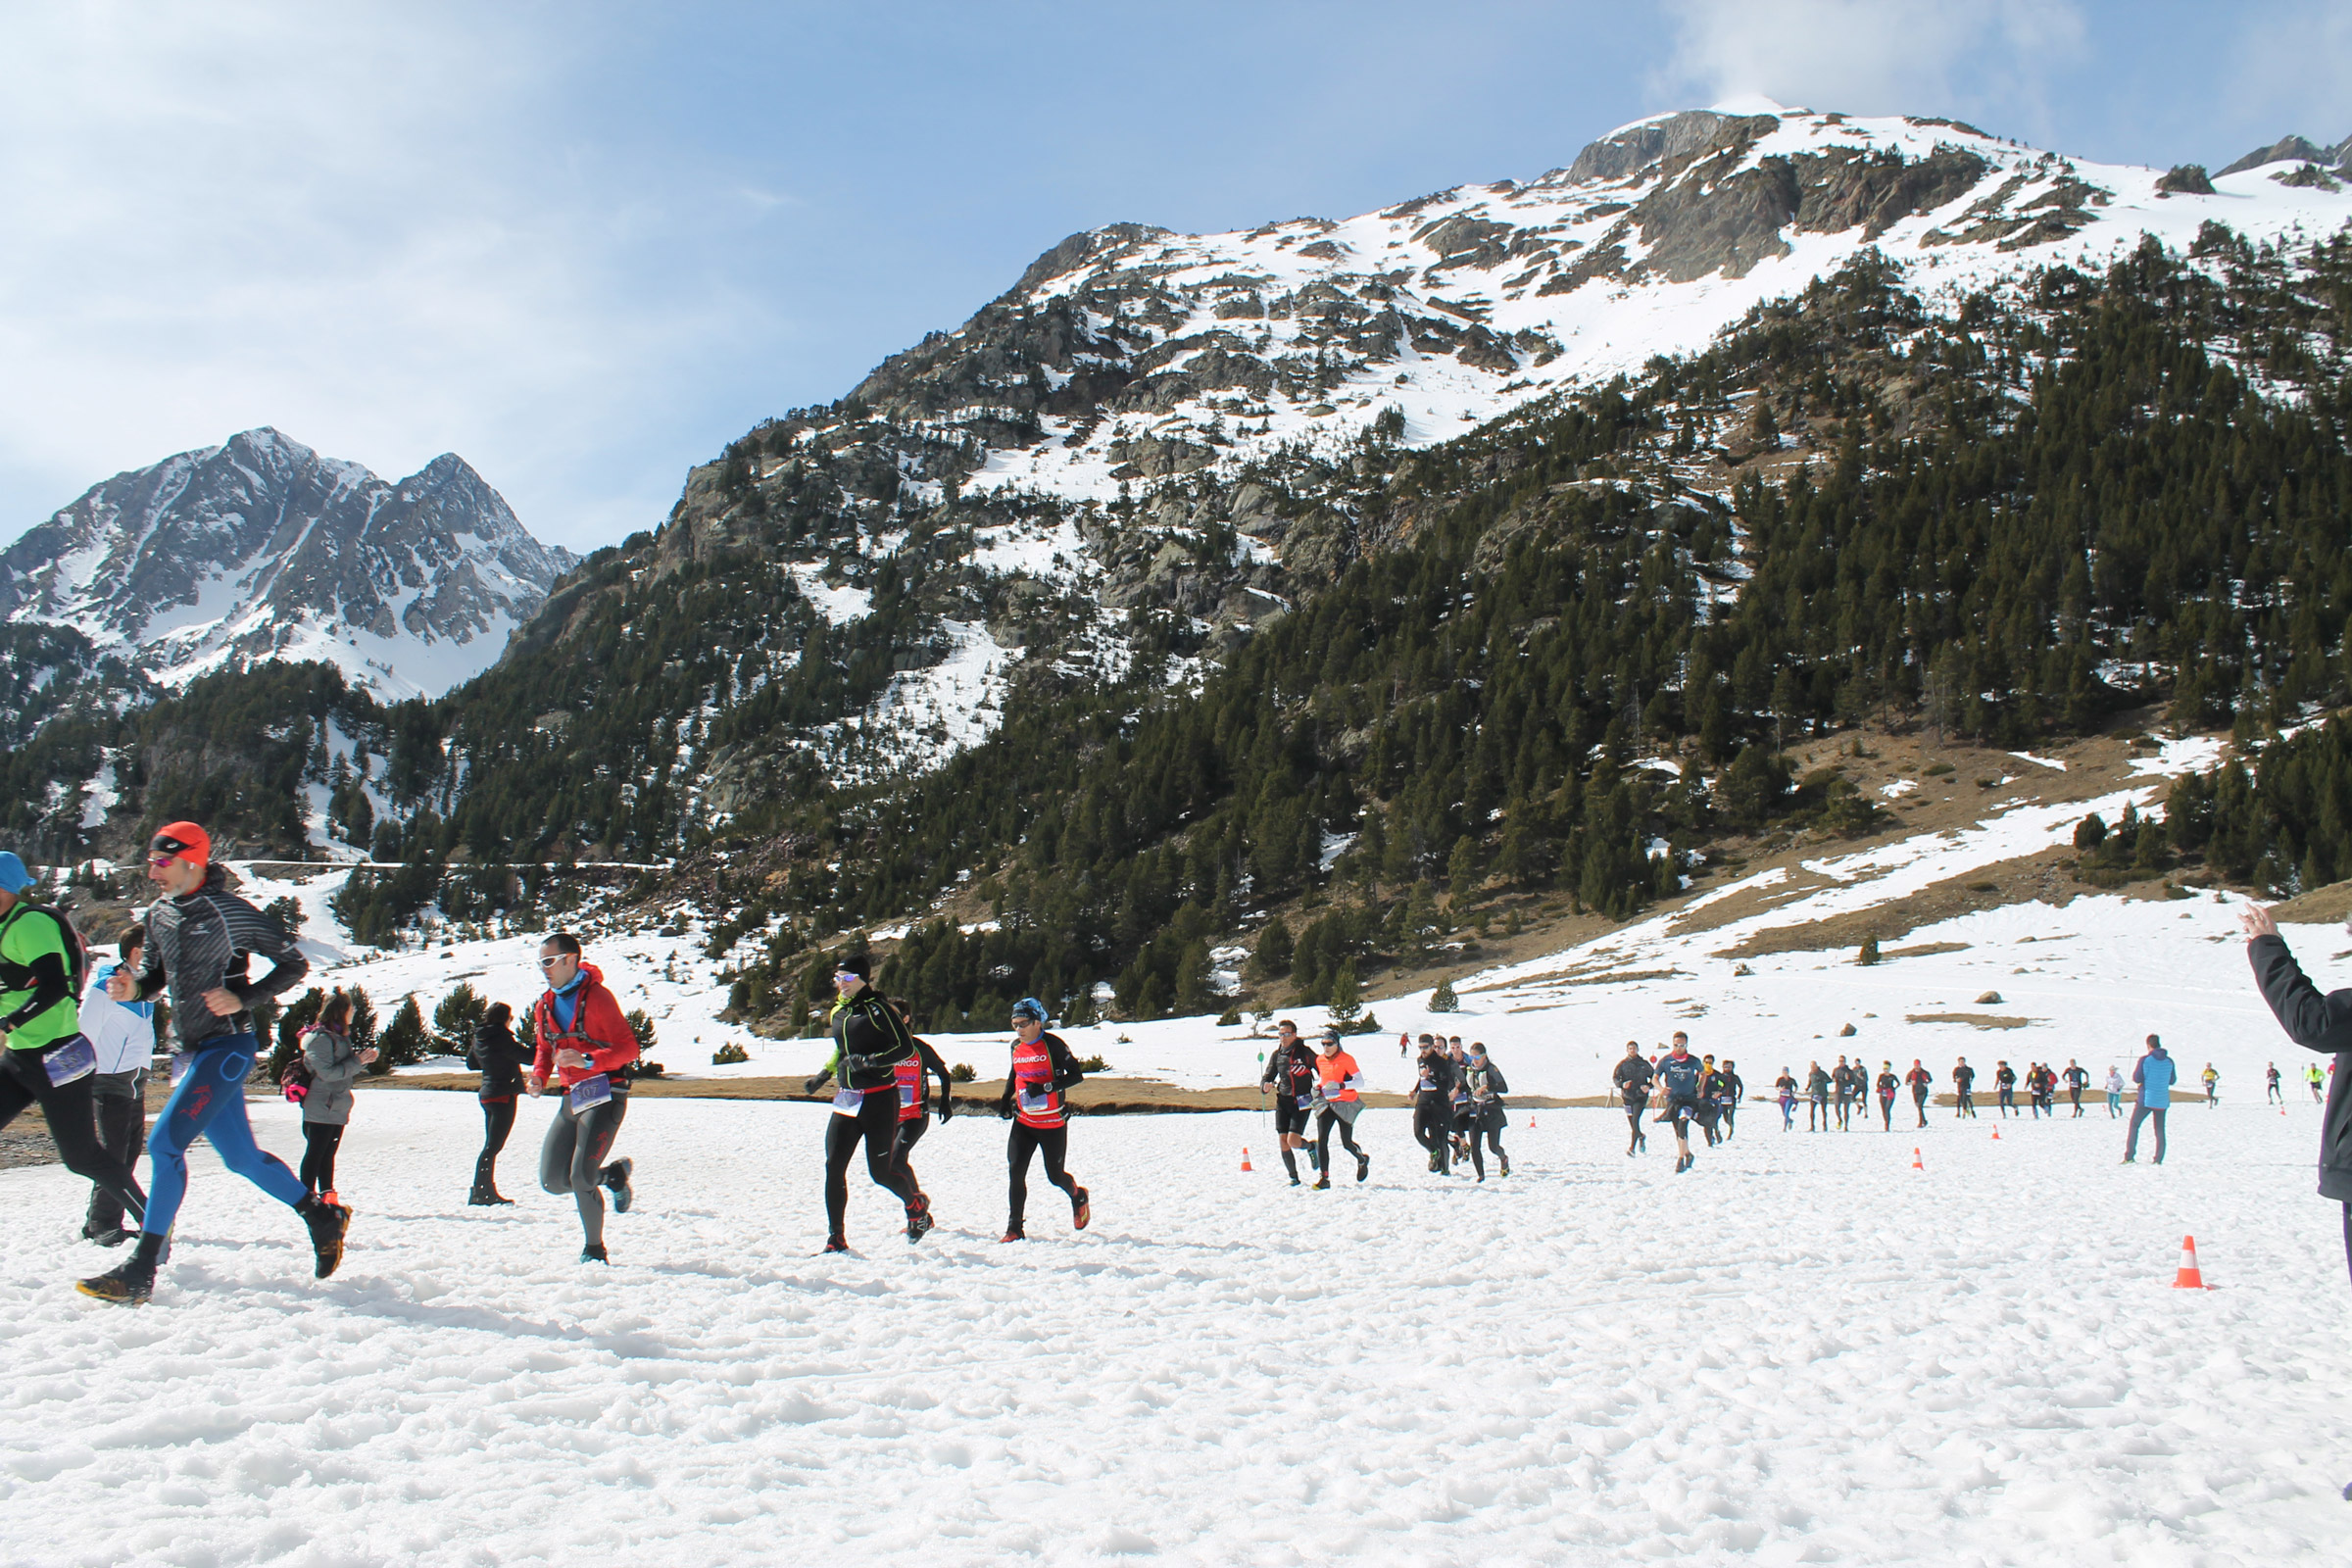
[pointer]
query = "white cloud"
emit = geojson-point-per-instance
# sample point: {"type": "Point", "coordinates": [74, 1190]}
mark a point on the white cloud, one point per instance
{"type": "Point", "coordinates": [1919, 57]}
{"type": "Point", "coordinates": [370, 228]}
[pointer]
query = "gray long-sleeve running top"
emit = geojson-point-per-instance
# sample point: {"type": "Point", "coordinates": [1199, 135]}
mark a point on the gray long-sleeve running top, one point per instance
{"type": "Point", "coordinates": [200, 943]}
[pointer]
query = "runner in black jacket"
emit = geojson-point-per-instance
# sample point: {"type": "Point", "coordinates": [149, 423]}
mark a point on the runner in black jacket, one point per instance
{"type": "Point", "coordinates": [1633, 1079]}
{"type": "Point", "coordinates": [1684, 1074]}
{"type": "Point", "coordinates": [1434, 1081]}
{"type": "Point", "coordinates": [869, 1041]}
{"type": "Point", "coordinates": [2316, 1022]}
{"type": "Point", "coordinates": [1487, 1116]}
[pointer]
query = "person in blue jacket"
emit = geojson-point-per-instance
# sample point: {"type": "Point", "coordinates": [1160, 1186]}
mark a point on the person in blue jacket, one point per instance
{"type": "Point", "coordinates": [2155, 1075]}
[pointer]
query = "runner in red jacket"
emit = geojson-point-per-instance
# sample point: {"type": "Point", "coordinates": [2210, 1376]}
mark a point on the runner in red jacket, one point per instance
{"type": "Point", "coordinates": [585, 1044]}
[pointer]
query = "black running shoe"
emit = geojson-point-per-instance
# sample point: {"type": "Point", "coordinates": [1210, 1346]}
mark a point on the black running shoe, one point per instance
{"type": "Point", "coordinates": [617, 1179]}
{"type": "Point", "coordinates": [593, 1252]}
{"type": "Point", "coordinates": [836, 1244]}
{"type": "Point", "coordinates": [127, 1283]}
{"type": "Point", "coordinates": [1363, 1166]}
{"type": "Point", "coordinates": [1323, 1186]}
{"type": "Point", "coordinates": [1506, 1163]}
{"type": "Point", "coordinates": [328, 1223]}
{"type": "Point", "coordinates": [919, 1219]}
{"type": "Point", "coordinates": [1082, 1212]}
{"type": "Point", "coordinates": [110, 1236]}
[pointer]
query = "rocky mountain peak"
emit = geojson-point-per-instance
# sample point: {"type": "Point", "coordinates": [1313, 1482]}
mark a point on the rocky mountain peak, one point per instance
{"type": "Point", "coordinates": [2295, 149]}
{"type": "Point", "coordinates": [261, 548]}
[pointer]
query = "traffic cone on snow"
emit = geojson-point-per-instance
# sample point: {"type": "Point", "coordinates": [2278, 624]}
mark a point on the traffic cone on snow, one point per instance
{"type": "Point", "coordinates": [1996, 1135]}
{"type": "Point", "coordinates": [2189, 1279]}
{"type": "Point", "coordinates": [1916, 1164]}
{"type": "Point", "coordinates": [1244, 1156]}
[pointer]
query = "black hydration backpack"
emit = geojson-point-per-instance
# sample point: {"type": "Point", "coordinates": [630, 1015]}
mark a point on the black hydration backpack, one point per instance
{"type": "Point", "coordinates": [77, 953]}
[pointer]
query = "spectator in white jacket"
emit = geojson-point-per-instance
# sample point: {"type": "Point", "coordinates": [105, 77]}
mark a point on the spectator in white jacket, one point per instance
{"type": "Point", "coordinates": [123, 1033]}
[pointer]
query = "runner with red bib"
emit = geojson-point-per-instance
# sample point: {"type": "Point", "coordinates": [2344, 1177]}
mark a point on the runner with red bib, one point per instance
{"type": "Point", "coordinates": [584, 1042]}
{"type": "Point", "coordinates": [915, 1118]}
{"type": "Point", "coordinates": [1043, 1071]}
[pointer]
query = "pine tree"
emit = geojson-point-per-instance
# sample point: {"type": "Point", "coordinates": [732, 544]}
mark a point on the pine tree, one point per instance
{"type": "Point", "coordinates": [405, 1042]}
{"type": "Point", "coordinates": [1443, 999]}
{"type": "Point", "coordinates": [1346, 997]}
{"type": "Point", "coordinates": [455, 1019]}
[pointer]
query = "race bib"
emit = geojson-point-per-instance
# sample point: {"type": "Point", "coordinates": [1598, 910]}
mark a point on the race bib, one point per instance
{"type": "Point", "coordinates": [67, 1062]}
{"type": "Point", "coordinates": [908, 1094]}
{"type": "Point", "coordinates": [1305, 1101]}
{"type": "Point", "coordinates": [589, 1093]}
{"type": "Point", "coordinates": [1037, 1100]}
{"type": "Point", "coordinates": [847, 1102]}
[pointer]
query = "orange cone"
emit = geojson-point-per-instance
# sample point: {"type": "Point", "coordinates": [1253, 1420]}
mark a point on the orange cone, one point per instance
{"type": "Point", "coordinates": [1996, 1135]}
{"type": "Point", "coordinates": [1244, 1156]}
{"type": "Point", "coordinates": [2189, 1279]}
{"type": "Point", "coordinates": [1915, 1161]}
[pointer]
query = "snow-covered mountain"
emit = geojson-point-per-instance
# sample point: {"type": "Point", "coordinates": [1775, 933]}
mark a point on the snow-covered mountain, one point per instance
{"type": "Point", "coordinates": [261, 549]}
{"type": "Point", "coordinates": [1116, 443]}
{"type": "Point", "coordinates": [1137, 352]}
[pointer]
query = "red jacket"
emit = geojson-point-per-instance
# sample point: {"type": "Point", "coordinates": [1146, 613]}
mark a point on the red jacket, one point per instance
{"type": "Point", "coordinates": [597, 1029]}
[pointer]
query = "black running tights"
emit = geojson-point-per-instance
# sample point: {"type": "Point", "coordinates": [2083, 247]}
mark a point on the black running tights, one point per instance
{"type": "Point", "coordinates": [1432, 1127]}
{"type": "Point", "coordinates": [1325, 1121]}
{"type": "Point", "coordinates": [319, 1140]}
{"type": "Point", "coordinates": [497, 1120]}
{"type": "Point", "coordinates": [876, 1125]}
{"type": "Point", "coordinates": [1052, 1142]}
{"type": "Point", "coordinates": [72, 1113]}
{"type": "Point", "coordinates": [1489, 1128]}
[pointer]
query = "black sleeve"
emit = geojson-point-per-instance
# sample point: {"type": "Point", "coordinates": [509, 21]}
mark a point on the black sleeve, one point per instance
{"type": "Point", "coordinates": [1494, 1078]}
{"type": "Point", "coordinates": [258, 933]}
{"type": "Point", "coordinates": [2311, 1020]}
{"type": "Point", "coordinates": [1066, 1075]}
{"type": "Point", "coordinates": [151, 961]}
{"type": "Point", "coordinates": [51, 985]}
{"type": "Point", "coordinates": [936, 1067]}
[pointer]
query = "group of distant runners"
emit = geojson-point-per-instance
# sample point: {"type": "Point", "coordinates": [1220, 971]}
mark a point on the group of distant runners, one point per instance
{"type": "Point", "coordinates": [82, 1059]}
{"type": "Point", "coordinates": [1686, 1090]}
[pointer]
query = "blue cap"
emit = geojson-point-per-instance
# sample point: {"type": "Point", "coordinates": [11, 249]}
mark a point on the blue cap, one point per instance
{"type": "Point", "coordinates": [14, 878]}
{"type": "Point", "coordinates": [1029, 1007]}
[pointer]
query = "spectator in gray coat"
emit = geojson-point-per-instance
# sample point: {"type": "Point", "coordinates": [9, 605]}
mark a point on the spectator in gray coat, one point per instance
{"type": "Point", "coordinates": [2316, 1022]}
{"type": "Point", "coordinates": [326, 1049]}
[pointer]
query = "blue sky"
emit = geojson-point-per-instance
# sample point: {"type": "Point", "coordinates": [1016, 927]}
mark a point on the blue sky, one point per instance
{"type": "Point", "coordinates": [585, 245]}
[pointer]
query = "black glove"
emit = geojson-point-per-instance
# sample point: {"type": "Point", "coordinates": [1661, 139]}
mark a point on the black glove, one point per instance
{"type": "Point", "coordinates": [947, 1107]}
{"type": "Point", "coordinates": [812, 1085]}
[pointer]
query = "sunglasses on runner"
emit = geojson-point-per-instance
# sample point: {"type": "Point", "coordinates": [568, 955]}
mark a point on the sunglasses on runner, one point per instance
{"type": "Point", "coordinates": [159, 862]}
{"type": "Point", "coordinates": [553, 958]}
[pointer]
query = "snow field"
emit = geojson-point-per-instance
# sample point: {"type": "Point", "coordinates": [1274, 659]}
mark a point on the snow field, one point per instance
{"type": "Point", "coordinates": [1803, 1351]}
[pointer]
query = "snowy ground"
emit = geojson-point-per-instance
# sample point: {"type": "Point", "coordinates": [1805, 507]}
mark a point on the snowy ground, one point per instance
{"type": "Point", "coordinates": [1801, 1351]}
